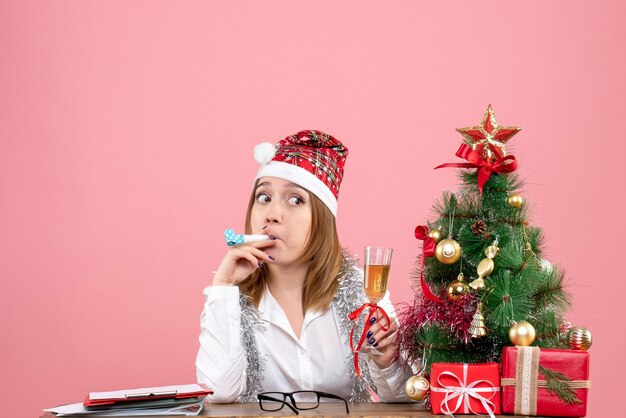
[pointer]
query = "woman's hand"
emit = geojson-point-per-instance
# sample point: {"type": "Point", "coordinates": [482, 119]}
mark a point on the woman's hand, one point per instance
{"type": "Point", "coordinates": [241, 260]}
{"type": "Point", "coordinates": [386, 342]}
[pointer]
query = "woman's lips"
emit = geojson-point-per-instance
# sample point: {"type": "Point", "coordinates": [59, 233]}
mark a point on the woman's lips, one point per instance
{"type": "Point", "coordinates": [272, 235]}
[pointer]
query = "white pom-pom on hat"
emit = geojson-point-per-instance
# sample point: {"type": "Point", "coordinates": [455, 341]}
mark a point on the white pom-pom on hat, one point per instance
{"type": "Point", "coordinates": [264, 152]}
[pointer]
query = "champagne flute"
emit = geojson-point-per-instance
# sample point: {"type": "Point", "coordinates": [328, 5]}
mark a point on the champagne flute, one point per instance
{"type": "Point", "coordinates": [376, 265]}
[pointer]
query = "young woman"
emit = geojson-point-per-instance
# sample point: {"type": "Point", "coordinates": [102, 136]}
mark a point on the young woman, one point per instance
{"type": "Point", "coordinates": [276, 315]}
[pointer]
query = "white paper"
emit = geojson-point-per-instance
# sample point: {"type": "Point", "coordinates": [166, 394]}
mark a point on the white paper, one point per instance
{"type": "Point", "coordinates": [79, 409]}
{"type": "Point", "coordinates": [121, 394]}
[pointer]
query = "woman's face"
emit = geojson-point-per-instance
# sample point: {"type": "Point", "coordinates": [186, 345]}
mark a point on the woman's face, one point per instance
{"type": "Point", "coordinates": [285, 208]}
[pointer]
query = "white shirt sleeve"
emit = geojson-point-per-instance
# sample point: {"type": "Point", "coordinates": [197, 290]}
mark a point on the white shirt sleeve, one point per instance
{"type": "Point", "coordinates": [390, 381]}
{"type": "Point", "coordinates": [221, 363]}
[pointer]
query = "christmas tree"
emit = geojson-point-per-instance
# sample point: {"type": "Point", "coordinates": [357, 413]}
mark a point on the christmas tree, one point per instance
{"type": "Point", "coordinates": [484, 284]}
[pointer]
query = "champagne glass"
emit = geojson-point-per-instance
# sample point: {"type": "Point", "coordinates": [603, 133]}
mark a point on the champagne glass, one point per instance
{"type": "Point", "coordinates": [376, 265]}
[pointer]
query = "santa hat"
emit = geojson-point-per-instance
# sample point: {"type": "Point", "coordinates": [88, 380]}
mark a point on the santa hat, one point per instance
{"type": "Point", "coordinates": [311, 159]}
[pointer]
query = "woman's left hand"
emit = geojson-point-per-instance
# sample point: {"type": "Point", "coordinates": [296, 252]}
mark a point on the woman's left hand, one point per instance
{"type": "Point", "coordinates": [386, 342]}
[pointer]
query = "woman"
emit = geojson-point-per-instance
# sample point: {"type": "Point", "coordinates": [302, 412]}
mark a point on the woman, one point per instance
{"type": "Point", "coordinates": [276, 314]}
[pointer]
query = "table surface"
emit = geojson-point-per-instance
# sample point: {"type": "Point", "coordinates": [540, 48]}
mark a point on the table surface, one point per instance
{"type": "Point", "coordinates": [326, 409]}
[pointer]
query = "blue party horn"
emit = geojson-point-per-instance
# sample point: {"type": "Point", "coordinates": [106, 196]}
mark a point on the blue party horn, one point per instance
{"type": "Point", "coordinates": [236, 239]}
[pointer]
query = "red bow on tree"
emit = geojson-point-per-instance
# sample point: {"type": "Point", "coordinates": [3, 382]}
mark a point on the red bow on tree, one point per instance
{"type": "Point", "coordinates": [485, 168]}
{"type": "Point", "coordinates": [428, 250]}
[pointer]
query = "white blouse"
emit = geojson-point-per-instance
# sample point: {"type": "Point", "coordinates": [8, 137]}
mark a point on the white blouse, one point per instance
{"type": "Point", "coordinates": [315, 361]}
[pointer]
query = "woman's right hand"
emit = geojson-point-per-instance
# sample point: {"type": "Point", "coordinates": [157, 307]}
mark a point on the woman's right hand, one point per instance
{"type": "Point", "coordinates": [240, 261]}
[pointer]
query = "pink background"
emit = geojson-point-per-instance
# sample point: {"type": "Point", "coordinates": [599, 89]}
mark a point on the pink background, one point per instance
{"type": "Point", "coordinates": [126, 136]}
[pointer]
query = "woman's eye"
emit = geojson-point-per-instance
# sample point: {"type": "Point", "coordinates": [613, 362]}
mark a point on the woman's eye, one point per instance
{"type": "Point", "coordinates": [263, 198]}
{"type": "Point", "coordinates": [295, 200]}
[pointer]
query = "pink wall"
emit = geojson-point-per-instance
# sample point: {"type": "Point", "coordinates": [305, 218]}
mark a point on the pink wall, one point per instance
{"type": "Point", "coordinates": [123, 126]}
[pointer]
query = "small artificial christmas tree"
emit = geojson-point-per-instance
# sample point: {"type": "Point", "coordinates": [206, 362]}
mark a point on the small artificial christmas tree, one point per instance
{"type": "Point", "coordinates": [484, 282]}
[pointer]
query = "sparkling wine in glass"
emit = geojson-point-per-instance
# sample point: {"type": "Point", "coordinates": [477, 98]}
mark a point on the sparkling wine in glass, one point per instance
{"type": "Point", "coordinates": [377, 265]}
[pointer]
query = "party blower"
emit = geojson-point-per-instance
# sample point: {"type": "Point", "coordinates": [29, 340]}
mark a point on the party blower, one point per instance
{"type": "Point", "coordinates": [235, 239]}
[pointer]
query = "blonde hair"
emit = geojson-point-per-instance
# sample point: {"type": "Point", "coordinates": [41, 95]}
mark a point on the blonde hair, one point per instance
{"type": "Point", "coordinates": [322, 253]}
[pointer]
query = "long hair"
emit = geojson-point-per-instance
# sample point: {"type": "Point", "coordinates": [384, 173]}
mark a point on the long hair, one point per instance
{"type": "Point", "coordinates": [321, 253]}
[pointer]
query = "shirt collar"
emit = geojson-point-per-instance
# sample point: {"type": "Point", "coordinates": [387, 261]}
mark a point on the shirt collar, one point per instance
{"type": "Point", "coordinates": [270, 311]}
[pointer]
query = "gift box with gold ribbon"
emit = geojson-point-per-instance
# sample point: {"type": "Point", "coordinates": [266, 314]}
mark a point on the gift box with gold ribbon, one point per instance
{"type": "Point", "coordinates": [545, 382]}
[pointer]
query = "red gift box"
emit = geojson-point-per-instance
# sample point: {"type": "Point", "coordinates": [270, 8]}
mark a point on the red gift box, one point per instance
{"type": "Point", "coordinates": [457, 388]}
{"type": "Point", "coordinates": [524, 389]}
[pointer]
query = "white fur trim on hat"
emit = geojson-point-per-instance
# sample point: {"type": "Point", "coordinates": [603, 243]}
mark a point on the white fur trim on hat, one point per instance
{"type": "Point", "coordinates": [264, 152]}
{"type": "Point", "coordinates": [302, 178]}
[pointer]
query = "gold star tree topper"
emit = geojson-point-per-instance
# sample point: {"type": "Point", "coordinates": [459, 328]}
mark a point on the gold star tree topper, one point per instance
{"type": "Point", "coordinates": [489, 138]}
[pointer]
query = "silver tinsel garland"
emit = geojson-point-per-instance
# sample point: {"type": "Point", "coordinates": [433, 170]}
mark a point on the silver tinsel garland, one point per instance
{"type": "Point", "coordinates": [349, 297]}
{"type": "Point", "coordinates": [250, 324]}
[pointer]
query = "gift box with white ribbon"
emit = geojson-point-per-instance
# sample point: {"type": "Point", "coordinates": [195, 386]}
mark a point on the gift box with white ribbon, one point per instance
{"type": "Point", "coordinates": [458, 388]}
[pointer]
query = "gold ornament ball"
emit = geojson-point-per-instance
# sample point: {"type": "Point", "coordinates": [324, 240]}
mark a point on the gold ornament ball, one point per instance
{"type": "Point", "coordinates": [516, 200]}
{"type": "Point", "coordinates": [458, 288]}
{"type": "Point", "coordinates": [436, 235]}
{"type": "Point", "coordinates": [579, 338]}
{"type": "Point", "coordinates": [417, 387]}
{"type": "Point", "coordinates": [448, 251]}
{"type": "Point", "coordinates": [522, 333]}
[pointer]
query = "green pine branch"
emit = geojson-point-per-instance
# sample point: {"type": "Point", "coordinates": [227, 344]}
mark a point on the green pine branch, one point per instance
{"type": "Point", "coordinates": [547, 327]}
{"type": "Point", "coordinates": [474, 245]}
{"type": "Point", "coordinates": [551, 291]}
{"type": "Point", "coordinates": [502, 183]}
{"type": "Point", "coordinates": [511, 255]}
{"type": "Point", "coordinates": [557, 384]}
{"type": "Point", "coordinates": [536, 239]}
{"type": "Point", "coordinates": [507, 299]}
{"type": "Point", "coordinates": [438, 345]}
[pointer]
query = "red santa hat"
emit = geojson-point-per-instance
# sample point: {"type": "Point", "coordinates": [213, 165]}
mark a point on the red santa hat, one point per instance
{"type": "Point", "coordinates": [311, 159]}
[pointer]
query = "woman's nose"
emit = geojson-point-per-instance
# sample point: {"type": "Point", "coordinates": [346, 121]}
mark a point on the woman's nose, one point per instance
{"type": "Point", "coordinates": [274, 213]}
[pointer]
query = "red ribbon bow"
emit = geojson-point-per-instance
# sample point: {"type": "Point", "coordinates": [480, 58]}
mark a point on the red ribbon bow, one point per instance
{"type": "Point", "coordinates": [353, 317]}
{"type": "Point", "coordinates": [485, 168]}
{"type": "Point", "coordinates": [428, 250]}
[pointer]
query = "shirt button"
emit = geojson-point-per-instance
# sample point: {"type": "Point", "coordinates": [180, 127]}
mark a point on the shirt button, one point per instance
{"type": "Point", "coordinates": [301, 351]}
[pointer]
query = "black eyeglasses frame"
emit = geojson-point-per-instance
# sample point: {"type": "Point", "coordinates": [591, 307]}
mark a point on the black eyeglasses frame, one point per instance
{"type": "Point", "coordinates": [293, 404]}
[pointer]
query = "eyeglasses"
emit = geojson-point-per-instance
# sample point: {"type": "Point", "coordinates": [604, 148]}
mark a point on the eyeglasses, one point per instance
{"type": "Point", "coordinates": [300, 400]}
